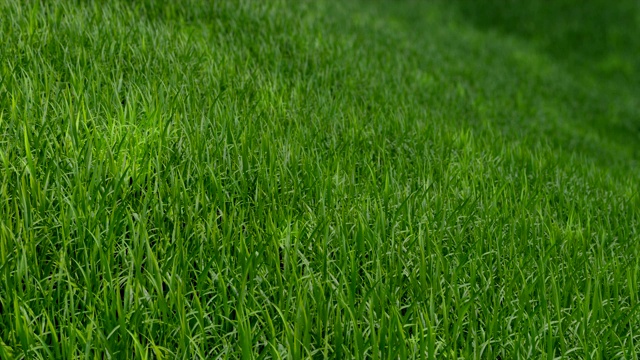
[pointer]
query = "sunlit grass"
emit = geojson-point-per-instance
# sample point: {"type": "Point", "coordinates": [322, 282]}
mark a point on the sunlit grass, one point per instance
{"type": "Point", "coordinates": [287, 179]}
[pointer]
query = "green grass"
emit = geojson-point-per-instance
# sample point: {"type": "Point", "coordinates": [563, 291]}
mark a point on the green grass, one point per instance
{"type": "Point", "coordinates": [312, 179]}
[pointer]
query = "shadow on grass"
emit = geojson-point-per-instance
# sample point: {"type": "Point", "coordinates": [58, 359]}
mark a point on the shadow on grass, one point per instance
{"type": "Point", "coordinates": [600, 36]}
{"type": "Point", "coordinates": [574, 66]}
{"type": "Point", "coordinates": [598, 41]}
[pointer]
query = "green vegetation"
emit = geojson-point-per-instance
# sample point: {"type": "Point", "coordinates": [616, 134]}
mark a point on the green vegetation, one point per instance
{"type": "Point", "coordinates": [313, 179]}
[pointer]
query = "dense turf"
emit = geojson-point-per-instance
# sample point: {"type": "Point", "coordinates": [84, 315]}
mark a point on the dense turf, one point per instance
{"type": "Point", "coordinates": [287, 179]}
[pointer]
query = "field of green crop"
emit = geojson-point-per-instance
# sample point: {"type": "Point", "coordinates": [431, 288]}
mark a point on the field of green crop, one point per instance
{"type": "Point", "coordinates": [292, 179]}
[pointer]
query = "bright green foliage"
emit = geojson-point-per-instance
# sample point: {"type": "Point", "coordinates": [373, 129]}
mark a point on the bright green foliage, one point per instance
{"type": "Point", "coordinates": [318, 179]}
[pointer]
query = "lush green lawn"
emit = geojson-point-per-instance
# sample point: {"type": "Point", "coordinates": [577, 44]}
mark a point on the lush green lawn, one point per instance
{"type": "Point", "coordinates": [313, 179]}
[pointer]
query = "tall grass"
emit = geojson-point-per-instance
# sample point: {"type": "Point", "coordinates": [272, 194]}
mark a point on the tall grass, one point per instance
{"type": "Point", "coordinates": [307, 180]}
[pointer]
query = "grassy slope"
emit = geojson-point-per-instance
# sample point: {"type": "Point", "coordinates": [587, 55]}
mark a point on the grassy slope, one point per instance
{"type": "Point", "coordinates": [388, 179]}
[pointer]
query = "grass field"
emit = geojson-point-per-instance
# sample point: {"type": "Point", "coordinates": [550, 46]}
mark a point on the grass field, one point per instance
{"type": "Point", "coordinates": [318, 179]}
